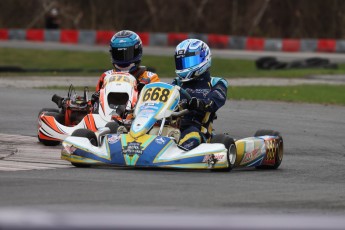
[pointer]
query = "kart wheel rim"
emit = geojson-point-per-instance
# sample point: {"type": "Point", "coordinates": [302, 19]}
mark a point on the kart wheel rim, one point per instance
{"type": "Point", "coordinates": [232, 154]}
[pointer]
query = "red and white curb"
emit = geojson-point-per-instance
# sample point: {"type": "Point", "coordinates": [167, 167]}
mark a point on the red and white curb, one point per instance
{"type": "Point", "coordinates": [220, 41]}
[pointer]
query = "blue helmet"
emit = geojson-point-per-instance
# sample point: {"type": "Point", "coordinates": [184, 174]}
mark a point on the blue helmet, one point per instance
{"type": "Point", "coordinates": [192, 58]}
{"type": "Point", "coordinates": [126, 50]}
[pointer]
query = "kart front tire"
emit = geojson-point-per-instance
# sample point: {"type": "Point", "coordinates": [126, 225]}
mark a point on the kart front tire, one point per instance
{"type": "Point", "coordinates": [280, 149]}
{"type": "Point", "coordinates": [92, 138]}
{"type": "Point", "coordinates": [80, 165]}
{"type": "Point", "coordinates": [87, 134]}
{"type": "Point", "coordinates": [230, 145]}
{"type": "Point", "coordinates": [113, 126]}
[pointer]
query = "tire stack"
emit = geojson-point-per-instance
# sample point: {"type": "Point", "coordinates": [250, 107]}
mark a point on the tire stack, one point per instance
{"type": "Point", "coordinates": [271, 63]}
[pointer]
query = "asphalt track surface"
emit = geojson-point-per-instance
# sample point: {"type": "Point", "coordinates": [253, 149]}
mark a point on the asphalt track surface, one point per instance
{"type": "Point", "coordinates": [39, 191]}
{"type": "Point", "coordinates": [307, 191]}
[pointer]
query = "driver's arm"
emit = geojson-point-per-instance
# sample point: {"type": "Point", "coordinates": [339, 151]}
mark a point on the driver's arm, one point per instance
{"type": "Point", "coordinates": [215, 99]}
{"type": "Point", "coordinates": [100, 82]}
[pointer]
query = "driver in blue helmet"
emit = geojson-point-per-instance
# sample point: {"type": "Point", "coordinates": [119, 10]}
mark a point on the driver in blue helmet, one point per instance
{"type": "Point", "coordinates": [126, 52]}
{"type": "Point", "coordinates": [208, 94]}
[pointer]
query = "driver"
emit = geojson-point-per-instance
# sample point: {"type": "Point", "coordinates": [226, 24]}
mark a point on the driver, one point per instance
{"type": "Point", "coordinates": [193, 61]}
{"type": "Point", "coordinates": [126, 52]}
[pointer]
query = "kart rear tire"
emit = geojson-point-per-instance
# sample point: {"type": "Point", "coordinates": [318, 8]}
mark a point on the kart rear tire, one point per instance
{"type": "Point", "coordinates": [230, 146]}
{"type": "Point", "coordinates": [280, 150]}
{"type": "Point", "coordinates": [86, 133]}
{"type": "Point", "coordinates": [58, 117]}
{"type": "Point", "coordinates": [48, 142]}
{"type": "Point", "coordinates": [113, 126]}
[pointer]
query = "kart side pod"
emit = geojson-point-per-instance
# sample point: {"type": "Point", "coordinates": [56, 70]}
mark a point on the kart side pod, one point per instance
{"type": "Point", "coordinates": [260, 152]}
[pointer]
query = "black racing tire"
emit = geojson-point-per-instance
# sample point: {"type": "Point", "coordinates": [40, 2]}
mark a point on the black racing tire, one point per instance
{"type": "Point", "coordinates": [80, 165]}
{"type": "Point", "coordinates": [316, 62]}
{"type": "Point", "coordinates": [280, 149]}
{"type": "Point", "coordinates": [48, 142]}
{"type": "Point", "coordinates": [58, 117]}
{"type": "Point", "coordinates": [266, 62]}
{"type": "Point", "coordinates": [86, 133]}
{"type": "Point", "coordinates": [92, 138]}
{"type": "Point", "coordinates": [113, 126]}
{"type": "Point", "coordinates": [230, 146]}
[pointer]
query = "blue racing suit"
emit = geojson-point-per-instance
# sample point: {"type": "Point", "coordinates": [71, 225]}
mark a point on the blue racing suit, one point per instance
{"type": "Point", "coordinates": [196, 126]}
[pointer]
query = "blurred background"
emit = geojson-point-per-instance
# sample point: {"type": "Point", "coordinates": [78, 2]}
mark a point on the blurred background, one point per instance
{"type": "Point", "coordinates": [262, 18]}
{"type": "Point", "coordinates": [285, 39]}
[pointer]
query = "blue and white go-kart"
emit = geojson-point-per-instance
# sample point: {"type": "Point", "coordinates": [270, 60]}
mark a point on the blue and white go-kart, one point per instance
{"type": "Point", "coordinates": [153, 136]}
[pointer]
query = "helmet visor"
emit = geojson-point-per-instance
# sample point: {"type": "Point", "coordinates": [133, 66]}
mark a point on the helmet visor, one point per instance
{"type": "Point", "coordinates": [187, 62]}
{"type": "Point", "coordinates": [124, 54]}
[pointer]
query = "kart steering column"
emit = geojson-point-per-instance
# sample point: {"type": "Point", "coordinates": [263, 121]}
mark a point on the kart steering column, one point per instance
{"type": "Point", "coordinates": [161, 127]}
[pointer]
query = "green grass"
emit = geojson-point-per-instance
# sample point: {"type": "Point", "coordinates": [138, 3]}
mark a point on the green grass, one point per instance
{"type": "Point", "coordinates": [93, 63]}
{"type": "Point", "coordinates": [321, 94]}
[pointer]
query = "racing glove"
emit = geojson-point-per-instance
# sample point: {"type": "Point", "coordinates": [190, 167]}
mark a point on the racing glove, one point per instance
{"type": "Point", "coordinates": [200, 105]}
{"type": "Point", "coordinates": [196, 104]}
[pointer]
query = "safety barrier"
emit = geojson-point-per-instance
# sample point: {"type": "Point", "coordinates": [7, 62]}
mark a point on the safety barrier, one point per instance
{"type": "Point", "coordinates": [102, 37]}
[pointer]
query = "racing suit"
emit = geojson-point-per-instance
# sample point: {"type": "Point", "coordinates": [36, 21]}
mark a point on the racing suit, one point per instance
{"type": "Point", "coordinates": [208, 95]}
{"type": "Point", "coordinates": [142, 75]}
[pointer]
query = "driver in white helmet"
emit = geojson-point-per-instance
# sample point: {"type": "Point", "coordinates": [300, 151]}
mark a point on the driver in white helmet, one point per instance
{"type": "Point", "coordinates": [208, 94]}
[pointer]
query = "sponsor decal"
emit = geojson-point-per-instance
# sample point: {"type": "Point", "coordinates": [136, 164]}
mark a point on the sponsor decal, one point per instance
{"type": "Point", "coordinates": [148, 111]}
{"type": "Point", "coordinates": [112, 139]}
{"type": "Point", "coordinates": [69, 149]}
{"type": "Point", "coordinates": [132, 148]}
{"type": "Point", "coordinates": [251, 156]}
{"type": "Point", "coordinates": [149, 74]}
{"type": "Point", "coordinates": [212, 158]}
{"type": "Point", "coordinates": [271, 149]}
{"type": "Point", "coordinates": [160, 140]}
{"type": "Point", "coordinates": [204, 92]}
{"type": "Point", "coordinates": [152, 107]}
{"type": "Point", "coordinates": [148, 105]}
{"type": "Point", "coordinates": [145, 80]}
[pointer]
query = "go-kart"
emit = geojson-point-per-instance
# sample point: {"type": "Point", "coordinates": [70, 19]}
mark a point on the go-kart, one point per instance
{"type": "Point", "coordinates": [113, 109]}
{"type": "Point", "coordinates": [152, 141]}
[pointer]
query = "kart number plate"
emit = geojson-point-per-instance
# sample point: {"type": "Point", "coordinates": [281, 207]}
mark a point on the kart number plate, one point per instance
{"type": "Point", "coordinates": [132, 148]}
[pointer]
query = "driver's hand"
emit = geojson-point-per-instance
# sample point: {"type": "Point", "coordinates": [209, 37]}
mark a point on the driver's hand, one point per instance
{"type": "Point", "coordinates": [196, 104]}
